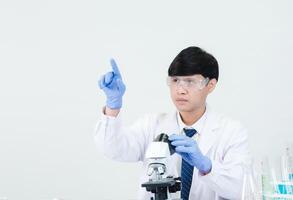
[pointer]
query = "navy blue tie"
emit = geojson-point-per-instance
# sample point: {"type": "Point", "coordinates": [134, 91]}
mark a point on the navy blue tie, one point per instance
{"type": "Point", "coordinates": [186, 171]}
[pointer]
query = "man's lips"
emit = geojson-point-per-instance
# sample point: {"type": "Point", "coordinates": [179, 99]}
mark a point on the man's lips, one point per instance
{"type": "Point", "coordinates": [181, 100]}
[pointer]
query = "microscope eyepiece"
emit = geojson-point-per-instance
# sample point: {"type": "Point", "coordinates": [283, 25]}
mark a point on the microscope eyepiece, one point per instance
{"type": "Point", "coordinates": [163, 137]}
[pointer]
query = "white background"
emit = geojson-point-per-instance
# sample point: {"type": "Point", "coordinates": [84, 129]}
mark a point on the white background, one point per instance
{"type": "Point", "coordinates": [52, 53]}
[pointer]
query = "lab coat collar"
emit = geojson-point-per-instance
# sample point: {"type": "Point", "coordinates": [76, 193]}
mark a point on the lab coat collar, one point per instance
{"type": "Point", "coordinates": [198, 125]}
{"type": "Point", "coordinates": [209, 136]}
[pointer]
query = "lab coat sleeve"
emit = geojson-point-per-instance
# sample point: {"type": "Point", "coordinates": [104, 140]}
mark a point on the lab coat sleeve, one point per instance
{"type": "Point", "coordinates": [226, 176]}
{"type": "Point", "coordinates": [120, 142]}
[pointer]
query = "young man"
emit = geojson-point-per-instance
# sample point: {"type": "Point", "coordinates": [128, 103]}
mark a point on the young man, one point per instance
{"type": "Point", "coordinates": [211, 150]}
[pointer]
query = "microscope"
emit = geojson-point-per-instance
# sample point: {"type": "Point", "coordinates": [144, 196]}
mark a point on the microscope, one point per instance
{"type": "Point", "coordinates": [160, 183]}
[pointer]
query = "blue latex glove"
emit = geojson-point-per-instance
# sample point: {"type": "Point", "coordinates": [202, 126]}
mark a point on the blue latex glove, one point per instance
{"type": "Point", "coordinates": [111, 83]}
{"type": "Point", "coordinates": [188, 149]}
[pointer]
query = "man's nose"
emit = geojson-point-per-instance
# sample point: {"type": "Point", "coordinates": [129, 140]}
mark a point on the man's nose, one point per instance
{"type": "Point", "coordinates": [180, 89]}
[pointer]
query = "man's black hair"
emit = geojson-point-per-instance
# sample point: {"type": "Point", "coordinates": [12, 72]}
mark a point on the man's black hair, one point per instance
{"type": "Point", "coordinates": [194, 60]}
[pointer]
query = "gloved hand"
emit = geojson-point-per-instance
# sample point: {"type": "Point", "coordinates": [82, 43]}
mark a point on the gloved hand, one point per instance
{"type": "Point", "coordinates": [188, 149]}
{"type": "Point", "coordinates": [111, 83]}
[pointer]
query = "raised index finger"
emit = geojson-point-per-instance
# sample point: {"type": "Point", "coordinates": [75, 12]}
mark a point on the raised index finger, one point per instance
{"type": "Point", "coordinates": [115, 68]}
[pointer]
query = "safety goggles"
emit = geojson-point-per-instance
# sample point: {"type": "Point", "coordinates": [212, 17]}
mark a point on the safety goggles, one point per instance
{"type": "Point", "coordinates": [188, 83]}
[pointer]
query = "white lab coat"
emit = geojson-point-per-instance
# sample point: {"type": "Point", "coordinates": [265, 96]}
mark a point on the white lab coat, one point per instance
{"type": "Point", "coordinates": [223, 140]}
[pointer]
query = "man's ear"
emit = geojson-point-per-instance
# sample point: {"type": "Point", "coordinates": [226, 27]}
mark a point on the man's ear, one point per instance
{"type": "Point", "coordinates": [211, 85]}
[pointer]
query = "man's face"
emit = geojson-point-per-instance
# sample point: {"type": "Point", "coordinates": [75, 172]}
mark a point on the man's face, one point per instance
{"type": "Point", "coordinates": [189, 93]}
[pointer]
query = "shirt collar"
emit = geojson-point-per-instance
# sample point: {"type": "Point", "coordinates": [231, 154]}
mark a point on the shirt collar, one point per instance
{"type": "Point", "coordinates": [198, 125]}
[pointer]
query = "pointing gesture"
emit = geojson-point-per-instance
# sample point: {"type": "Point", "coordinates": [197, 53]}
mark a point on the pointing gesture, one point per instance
{"type": "Point", "coordinates": [115, 68]}
{"type": "Point", "coordinates": [111, 83]}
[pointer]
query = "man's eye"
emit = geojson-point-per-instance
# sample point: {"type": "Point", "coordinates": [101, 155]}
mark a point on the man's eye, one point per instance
{"type": "Point", "coordinates": [174, 80]}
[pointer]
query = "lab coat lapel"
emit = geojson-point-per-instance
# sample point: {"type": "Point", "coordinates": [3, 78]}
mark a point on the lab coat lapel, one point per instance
{"type": "Point", "coordinates": [208, 136]}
